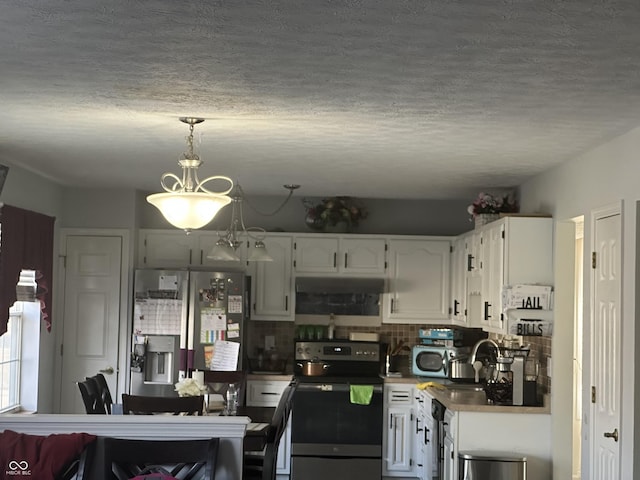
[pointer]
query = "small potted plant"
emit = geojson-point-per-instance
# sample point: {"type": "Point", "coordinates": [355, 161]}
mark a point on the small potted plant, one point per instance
{"type": "Point", "coordinates": [487, 207]}
{"type": "Point", "coordinates": [334, 214]}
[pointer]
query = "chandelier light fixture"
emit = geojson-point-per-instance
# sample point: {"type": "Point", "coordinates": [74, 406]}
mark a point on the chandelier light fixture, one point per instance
{"type": "Point", "coordinates": [187, 204]}
{"type": "Point", "coordinates": [230, 240]}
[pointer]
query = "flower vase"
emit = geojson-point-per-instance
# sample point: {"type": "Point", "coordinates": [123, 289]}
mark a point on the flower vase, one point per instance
{"type": "Point", "coordinates": [314, 224]}
{"type": "Point", "coordinates": [484, 218]}
{"type": "Point", "coordinates": [338, 227]}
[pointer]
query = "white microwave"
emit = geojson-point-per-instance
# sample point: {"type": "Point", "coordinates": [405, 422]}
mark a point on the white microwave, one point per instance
{"type": "Point", "coordinates": [431, 360]}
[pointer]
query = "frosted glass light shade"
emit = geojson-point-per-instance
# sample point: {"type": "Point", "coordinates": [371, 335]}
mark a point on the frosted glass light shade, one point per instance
{"type": "Point", "coordinates": [259, 253]}
{"type": "Point", "coordinates": [224, 252]}
{"type": "Point", "coordinates": [188, 210]}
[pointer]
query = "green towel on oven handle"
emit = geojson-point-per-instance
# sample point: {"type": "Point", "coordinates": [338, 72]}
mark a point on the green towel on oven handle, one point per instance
{"type": "Point", "coordinates": [361, 394]}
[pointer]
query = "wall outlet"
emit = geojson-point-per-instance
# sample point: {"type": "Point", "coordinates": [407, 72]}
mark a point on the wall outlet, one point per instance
{"type": "Point", "coordinates": [269, 342]}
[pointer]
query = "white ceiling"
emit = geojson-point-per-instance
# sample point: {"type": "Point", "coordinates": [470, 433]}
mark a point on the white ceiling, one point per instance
{"type": "Point", "coordinates": [377, 99]}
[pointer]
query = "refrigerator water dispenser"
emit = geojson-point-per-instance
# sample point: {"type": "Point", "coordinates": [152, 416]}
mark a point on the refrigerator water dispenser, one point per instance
{"type": "Point", "coordinates": [160, 359]}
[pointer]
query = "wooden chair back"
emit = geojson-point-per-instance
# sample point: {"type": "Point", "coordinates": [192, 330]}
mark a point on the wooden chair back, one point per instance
{"type": "Point", "coordinates": [263, 466]}
{"type": "Point", "coordinates": [91, 397]}
{"type": "Point", "coordinates": [80, 468]}
{"type": "Point", "coordinates": [103, 391]}
{"type": "Point", "coordinates": [182, 459]}
{"type": "Point", "coordinates": [218, 381]}
{"type": "Point", "coordinates": [142, 405]}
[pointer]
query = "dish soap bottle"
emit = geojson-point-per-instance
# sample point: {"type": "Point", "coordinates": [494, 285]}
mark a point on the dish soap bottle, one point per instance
{"type": "Point", "coordinates": [332, 326]}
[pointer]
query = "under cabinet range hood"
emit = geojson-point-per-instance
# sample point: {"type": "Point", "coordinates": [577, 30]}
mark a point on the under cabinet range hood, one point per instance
{"type": "Point", "coordinates": [347, 297]}
{"type": "Point", "coordinates": [327, 285]}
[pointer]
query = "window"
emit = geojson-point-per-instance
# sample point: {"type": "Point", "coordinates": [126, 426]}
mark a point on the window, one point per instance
{"type": "Point", "coordinates": [10, 356]}
{"type": "Point", "coordinates": [11, 352]}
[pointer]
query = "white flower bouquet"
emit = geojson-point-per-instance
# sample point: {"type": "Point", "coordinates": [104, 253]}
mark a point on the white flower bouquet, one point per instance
{"type": "Point", "coordinates": [190, 387]}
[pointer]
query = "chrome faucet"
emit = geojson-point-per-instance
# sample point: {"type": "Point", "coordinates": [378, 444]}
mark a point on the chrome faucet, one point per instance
{"type": "Point", "coordinates": [474, 351]}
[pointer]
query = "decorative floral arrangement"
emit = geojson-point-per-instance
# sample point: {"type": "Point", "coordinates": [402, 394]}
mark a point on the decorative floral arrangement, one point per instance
{"type": "Point", "coordinates": [487, 203]}
{"type": "Point", "coordinates": [190, 387]}
{"type": "Point", "coordinates": [333, 210]}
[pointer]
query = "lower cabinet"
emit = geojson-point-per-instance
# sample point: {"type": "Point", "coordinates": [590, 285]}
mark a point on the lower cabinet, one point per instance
{"type": "Point", "coordinates": [449, 461]}
{"type": "Point", "coordinates": [425, 439]}
{"type": "Point", "coordinates": [266, 393]}
{"type": "Point", "coordinates": [400, 426]}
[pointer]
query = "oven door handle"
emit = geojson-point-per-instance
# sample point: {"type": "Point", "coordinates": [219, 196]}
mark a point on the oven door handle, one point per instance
{"type": "Point", "coordinates": [330, 387]}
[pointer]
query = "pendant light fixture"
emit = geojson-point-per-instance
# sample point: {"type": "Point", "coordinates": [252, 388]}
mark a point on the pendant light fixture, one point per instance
{"type": "Point", "coordinates": [187, 204]}
{"type": "Point", "coordinates": [230, 240]}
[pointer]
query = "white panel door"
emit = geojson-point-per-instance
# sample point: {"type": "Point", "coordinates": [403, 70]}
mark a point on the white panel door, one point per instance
{"type": "Point", "coordinates": [91, 315]}
{"type": "Point", "coordinates": [605, 352]}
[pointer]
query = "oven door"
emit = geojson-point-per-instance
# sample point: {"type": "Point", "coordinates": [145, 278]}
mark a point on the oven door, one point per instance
{"type": "Point", "coordinates": [428, 361]}
{"type": "Point", "coordinates": [324, 422]}
{"type": "Point", "coordinates": [332, 438]}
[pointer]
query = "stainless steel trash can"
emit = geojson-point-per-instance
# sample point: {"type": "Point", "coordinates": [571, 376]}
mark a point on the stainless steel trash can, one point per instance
{"type": "Point", "coordinates": [491, 466]}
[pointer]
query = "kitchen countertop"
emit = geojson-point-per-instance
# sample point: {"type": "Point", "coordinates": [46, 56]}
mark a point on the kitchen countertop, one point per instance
{"type": "Point", "coordinates": [465, 400]}
{"type": "Point", "coordinates": [269, 376]}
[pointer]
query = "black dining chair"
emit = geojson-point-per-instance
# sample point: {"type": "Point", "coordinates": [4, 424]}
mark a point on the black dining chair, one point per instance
{"type": "Point", "coordinates": [182, 459]}
{"type": "Point", "coordinates": [80, 468]}
{"type": "Point", "coordinates": [262, 465]}
{"type": "Point", "coordinates": [143, 405]}
{"type": "Point", "coordinates": [91, 397]}
{"type": "Point", "coordinates": [103, 391]}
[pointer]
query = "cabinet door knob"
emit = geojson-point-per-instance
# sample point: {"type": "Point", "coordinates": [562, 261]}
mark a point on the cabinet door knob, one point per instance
{"type": "Point", "coordinates": [470, 263]}
{"type": "Point", "coordinates": [486, 310]}
{"type": "Point", "coordinates": [613, 435]}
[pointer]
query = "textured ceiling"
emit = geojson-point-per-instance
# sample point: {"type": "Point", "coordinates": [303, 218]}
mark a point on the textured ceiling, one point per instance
{"type": "Point", "coordinates": [378, 99]}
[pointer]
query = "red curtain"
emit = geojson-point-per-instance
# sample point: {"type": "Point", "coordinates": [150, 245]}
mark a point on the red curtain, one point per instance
{"type": "Point", "coordinates": [26, 244]}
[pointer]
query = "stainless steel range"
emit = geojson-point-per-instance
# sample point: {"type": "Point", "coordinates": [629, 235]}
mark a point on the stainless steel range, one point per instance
{"type": "Point", "coordinates": [332, 437]}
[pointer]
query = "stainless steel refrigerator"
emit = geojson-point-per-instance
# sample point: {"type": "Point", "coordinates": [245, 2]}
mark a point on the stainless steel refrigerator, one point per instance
{"type": "Point", "coordinates": [185, 320]}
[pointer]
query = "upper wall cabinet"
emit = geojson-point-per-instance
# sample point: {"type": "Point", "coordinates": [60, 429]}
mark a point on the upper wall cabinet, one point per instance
{"type": "Point", "coordinates": [349, 255]}
{"type": "Point", "coordinates": [418, 281]}
{"type": "Point", "coordinates": [513, 251]}
{"type": "Point", "coordinates": [458, 305]}
{"type": "Point", "coordinates": [176, 249]}
{"type": "Point", "coordinates": [271, 283]}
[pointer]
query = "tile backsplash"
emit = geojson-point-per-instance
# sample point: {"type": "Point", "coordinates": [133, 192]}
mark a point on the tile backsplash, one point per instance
{"type": "Point", "coordinates": [284, 334]}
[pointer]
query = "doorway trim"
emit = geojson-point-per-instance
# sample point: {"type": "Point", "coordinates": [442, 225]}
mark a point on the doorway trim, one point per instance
{"type": "Point", "coordinates": [562, 357]}
{"type": "Point", "coordinates": [124, 320]}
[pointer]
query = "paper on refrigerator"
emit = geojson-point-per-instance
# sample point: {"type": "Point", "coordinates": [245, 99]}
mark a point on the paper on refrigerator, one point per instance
{"type": "Point", "coordinates": [213, 325]}
{"type": "Point", "coordinates": [225, 355]}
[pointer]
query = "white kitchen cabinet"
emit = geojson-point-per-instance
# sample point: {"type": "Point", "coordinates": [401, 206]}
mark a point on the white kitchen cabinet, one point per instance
{"type": "Point", "coordinates": [513, 250]}
{"type": "Point", "coordinates": [458, 308]}
{"type": "Point", "coordinates": [418, 279]}
{"type": "Point", "coordinates": [423, 432]}
{"type": "Point", "coordinates": [348, 255]}
{"type": "Point", "coordinates": [399, 427]}
{"type": "Point", "coordinates": [427, 466]}
{"type": "Point", "coordinates": [267, 393]}
{"type": "Point", "coordinates": [176, 249]}
{"type": "Point", "coordinates": [450, 451]}
{"type": "Point", "coordinates": [271, 284]}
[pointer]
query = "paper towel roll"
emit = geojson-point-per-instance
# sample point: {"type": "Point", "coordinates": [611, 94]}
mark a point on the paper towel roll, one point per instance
{"type": "Point", "coordinates": [198, 376]}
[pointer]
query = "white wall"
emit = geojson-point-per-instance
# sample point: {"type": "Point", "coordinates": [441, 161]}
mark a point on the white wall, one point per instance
{"type": "Point", "coordinates": [399, 217]}
{"type": "Point", "coordinates": [605, 175]}
{"type": "Point", "coordinates": [99, 208]}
